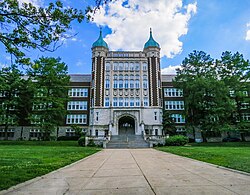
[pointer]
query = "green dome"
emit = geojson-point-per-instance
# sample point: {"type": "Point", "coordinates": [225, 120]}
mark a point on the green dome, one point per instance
{"type": "Point", "coordinates": [151, 42]}
{"type": "Point", "coordinates": [100, 42]}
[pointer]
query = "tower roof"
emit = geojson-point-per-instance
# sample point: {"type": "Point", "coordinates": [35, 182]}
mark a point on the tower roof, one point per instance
{"type": "Point", "coordinates": [100, 42]}
{"type": "Point", "coordinates": [151, 42]}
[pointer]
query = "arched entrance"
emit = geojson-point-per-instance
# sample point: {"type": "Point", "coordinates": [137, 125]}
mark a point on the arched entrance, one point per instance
{"type": "Point", "coordinates": [126, 126]}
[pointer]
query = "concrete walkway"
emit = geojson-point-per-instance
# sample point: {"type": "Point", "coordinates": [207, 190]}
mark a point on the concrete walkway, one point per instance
{"type": "Point", "coordinates": [137, 171]}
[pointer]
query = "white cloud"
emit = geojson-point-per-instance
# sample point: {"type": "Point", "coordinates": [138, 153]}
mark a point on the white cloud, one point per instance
{"type": "Point", "coordinates": [248, 32]}
{"type": "Point", "coordinates": [170, 69]}
{"type": "Point", "coordinates": [130, 23]}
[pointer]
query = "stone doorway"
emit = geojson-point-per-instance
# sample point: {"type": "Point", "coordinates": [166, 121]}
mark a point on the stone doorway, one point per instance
{"type": "Point", "coordinates": [126, 126]}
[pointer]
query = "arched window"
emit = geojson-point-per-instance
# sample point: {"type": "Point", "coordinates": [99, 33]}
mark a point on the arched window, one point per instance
{"type": "Point", "coordinates": [126, 66]}
{"type": "Point", "coordinates": [137, 76]}
{"type": "Point", "coordinates": [131, 77]}
{"type": "Point", "coordinates": [115, 77]}
{"type": "Point", "coordinates": [145, 84]}
{"type": "Point", "coordinates": [145, 66]}
{"type": "Point", "coordinates": [132, 85]}
{"type": "Point", "coordinates": [115, 66]}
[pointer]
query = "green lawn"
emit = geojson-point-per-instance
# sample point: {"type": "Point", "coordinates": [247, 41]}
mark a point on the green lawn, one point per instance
{"type": "Point", "coordinates": [24, 160]}
{"type": "Point", "coordinates": [231, 155]}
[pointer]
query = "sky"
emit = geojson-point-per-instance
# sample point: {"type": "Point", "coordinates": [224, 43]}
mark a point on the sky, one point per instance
{"type": "Point", "coordinates": [179, 26]}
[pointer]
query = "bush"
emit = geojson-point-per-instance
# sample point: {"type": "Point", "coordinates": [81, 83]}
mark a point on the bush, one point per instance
{"type": "Point", "coordinates": [91, 143]}
{"type": "Point", "coordinates": [68, 138]}
{"type": "Point", "coordinates": [176, 140]}
{"type": "Point", "coordinates": [81, 141]}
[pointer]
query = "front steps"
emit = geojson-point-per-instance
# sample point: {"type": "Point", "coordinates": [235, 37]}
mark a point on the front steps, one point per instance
{"type": "Point", "coordinates": [127, 141]}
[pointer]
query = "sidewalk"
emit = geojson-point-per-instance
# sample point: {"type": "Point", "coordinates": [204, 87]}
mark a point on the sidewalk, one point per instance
{"type": "Point", "coordinates": [137, 171]}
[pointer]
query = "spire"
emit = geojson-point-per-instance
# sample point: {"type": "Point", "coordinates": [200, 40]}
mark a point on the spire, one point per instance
{"type": "Point", "coordinates": [100, 42]}
{"type": "Point", "coordinates": [151, 42]}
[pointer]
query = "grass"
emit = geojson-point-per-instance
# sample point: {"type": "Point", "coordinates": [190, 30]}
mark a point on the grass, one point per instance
{"type": "Point", "coordinates": [232, 155]}
{"type": "Point", "coordinates": [24, 160]}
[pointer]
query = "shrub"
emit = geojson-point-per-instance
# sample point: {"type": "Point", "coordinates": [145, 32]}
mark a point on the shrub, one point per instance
{"type": "Point", "coordinates": [68, 138]}
{"type": "Point", "coordinates": [91, 143]}
{"type": "Point", "coordinates": [176, 140]}
{"type": "Point", "coordinates": [81, 141]}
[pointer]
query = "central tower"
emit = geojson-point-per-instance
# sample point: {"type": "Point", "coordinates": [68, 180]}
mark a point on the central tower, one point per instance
{"type": "Point", "coordinates": [126, 90]}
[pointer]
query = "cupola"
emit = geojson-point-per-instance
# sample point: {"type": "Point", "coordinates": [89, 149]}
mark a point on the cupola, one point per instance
{"type": "Point", "coordinates": [151, 42]}
{"type": "Point", "coordinates": [100, 42]}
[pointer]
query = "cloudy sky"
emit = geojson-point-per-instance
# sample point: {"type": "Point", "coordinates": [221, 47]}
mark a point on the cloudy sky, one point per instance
{"type": "Point", "coordinates": [179, 26]}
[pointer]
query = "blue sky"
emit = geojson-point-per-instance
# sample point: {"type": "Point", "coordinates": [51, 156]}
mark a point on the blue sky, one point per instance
{"type": "Point", "coordinates": [179, 26]}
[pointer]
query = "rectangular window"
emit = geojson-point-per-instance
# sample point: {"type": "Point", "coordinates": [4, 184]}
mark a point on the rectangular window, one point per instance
{"type": "Point", "coordinates": [115, 102]}
{"type": "Point", "coordinates": [178, 118]}
{"type": "Point", "coordinates": [246, 116]}
{"type": "Point", "coordinates": [78, 92]}
{"type": "Point", "coordinates": [115, 84]}
{"type": "Point", "coordinates": [76, 119]}
{"type": "Point", "coordinates": [120, 101]}
{"type": "Point", "coordinates": [77, 105]}
{"type": "Point", "coordinates": [137, 102]}
{"type": "Point", "coordinates": [145, 101]}
{"type": "Point", "coordinates": [174, 105]}
{"type": "Point", "coordinates": [132, 103]}
{"type": "Point", "coordinates": [155, 115]}
{"type": "Point", "coordinates": [106, 102]}
{"type": "Point", "coordinates": [126, 102]}
{"type": "Point", "coordinates": [173, 92]}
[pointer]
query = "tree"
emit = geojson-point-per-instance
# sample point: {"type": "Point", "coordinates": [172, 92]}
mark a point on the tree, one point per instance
{"type": "Point", "coordinates": [168, 123]}
{"type": "Point", "coordinates": [207, 104]}
{"type": "Point", "coordinates": [233, 69]}
{"type": "Point", "coordinates": [51, 83]}
{"type": "Point", "coordinates": [26, 26]}
{"type": "Point", "coordinates": [10, 79]}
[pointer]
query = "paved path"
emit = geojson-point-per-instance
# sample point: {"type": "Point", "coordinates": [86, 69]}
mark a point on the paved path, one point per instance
{"type": "Point", "coordinates": [138, 171]}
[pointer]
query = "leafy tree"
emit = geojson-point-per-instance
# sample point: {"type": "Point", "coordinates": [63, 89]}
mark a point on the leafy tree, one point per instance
{"type": "Point", "coordinates": [10, 79]}
{"type": "Point", "coordinates": [207, 104]}
{"type": "Point", "coordinates": [27, 26]}
{"type": "Point", "coordinates": [168, 123]}
{"type": "Point", "coordinates": [233, 69]}
{"type": "Point", "coordinates": [51, 81]}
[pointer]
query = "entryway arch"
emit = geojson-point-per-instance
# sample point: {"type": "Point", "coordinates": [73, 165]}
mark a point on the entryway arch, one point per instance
{"type": "Point", "coordinates": [126, 125]}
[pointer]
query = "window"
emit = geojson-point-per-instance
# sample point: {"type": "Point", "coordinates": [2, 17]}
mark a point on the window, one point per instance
{"type": "Point", "coordinates": [120, 66]}
{"type": "Point", "coordinates": [120, 101]}
{"type": "Point", "coordinates": [126, 102]}
{"type": "Point", "coordinates": [115, 66]}
{"type": "Point", "coordinates": [145, 84]}
{"type": "Point", "coordinates": [77, 105]}
{"type": "Point", "coordinates": [107, 83]}
{"type": "Point", "coordinates": [132, 103]}
{"type": "Point", "coordinates": [35, 133]}
{"type": "Point", "coordinates": [246, 116]}
{"type": "Point", "coordinates": [137, 67]}
{"type": "Point", "coordinates": [96, 133]}
{"type": "Point", "coordinates": [131, 66]}
{"type": "Point", "coordinates": [126, 65]}
{"type": "Point", "coordinates": [70, 132]}
{"type": "Point", "coordinates": [106, 102]}
{"type": "Point", "coordinates": [107, 67]}
{"type": "Point", "coordinates": [10, 133]}
{"type": "Point", "coordinates": [155, 115]}
{"type": "Point", "coordinates": [78, 92]}
{"type": "Point", "coordinates": [115, 101]}
{"type": "Point", "coordinates": [126, 84]}
{"type": "Point", "coordinates": [115, 84]}
{"type": "Point", "coordinates": [131, 84]}
{"type": "Point", "coordinates": [173, 92]}
{"type": "Point", "coordinates": [178, 118]}
{"type": "Point", "coordinates": [76, 119]}
{"type": "Point", "coordinates": [145, 101]}
{"type": "Point", "coordinates": [97, 116]}
{"type": "Point", "coordinates": [137, 84]}
{"type": "Point", "coordinates": [174, 105]}
{"type": "Point", "coordinates": [137, 102]}
{"type": "Point", "coordinates": [145, 66]}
